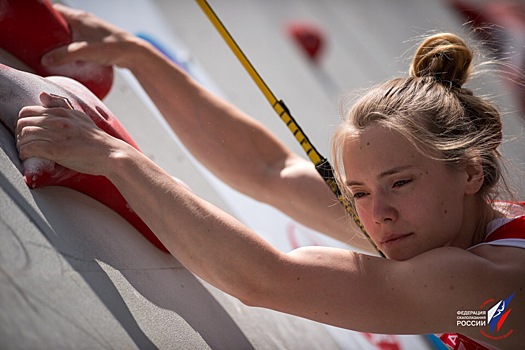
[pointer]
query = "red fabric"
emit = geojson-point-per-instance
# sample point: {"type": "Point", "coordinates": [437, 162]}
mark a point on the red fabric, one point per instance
{"type": "Point", "coordinates": [30, 28]}
{"type": "Point", "coordinates": [512, 229]}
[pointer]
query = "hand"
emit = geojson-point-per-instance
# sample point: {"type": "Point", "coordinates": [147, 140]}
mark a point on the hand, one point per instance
{"type": "Point", "coordinates": [94, 40]}
{"type": "Point", "coordinates": [65, 136]}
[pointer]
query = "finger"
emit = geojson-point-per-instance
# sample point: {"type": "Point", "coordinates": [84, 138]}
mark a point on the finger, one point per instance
{"type": "Point", "coordinates": [41, 149]}
{"type": "Point", "coordinates": [32, 141]}
{"type": "Point", "coordinates": [63, 10]}
{"type": "Point", "coordinates": [39, 120]}
{"type": "Point", "coordinates": [46, 136]}
{"type": "Point", "coordinates": [76, 51]}
{"type": "Point", "coordinates": [52, 100]}
{"type": "Point", "coordinates": [44, 118]}
{"type": "Point", "coordinates": [49, 112]}
{"type": "Point", "coordinates": [81, 24]}
{"type": "Point", "coordinates": [29, 126]}
{"type": "Point", "coordinates": [71, 15]}
{"type": "Point", "coordinates": [30, 111]}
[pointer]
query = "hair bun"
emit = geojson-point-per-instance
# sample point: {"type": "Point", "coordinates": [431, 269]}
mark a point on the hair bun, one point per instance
{"type": "Point", "coordinates": [445, 57]}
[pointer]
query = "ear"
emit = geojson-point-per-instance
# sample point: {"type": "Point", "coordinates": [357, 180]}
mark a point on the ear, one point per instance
{"type": "Point", "coordinates": [475, 175]}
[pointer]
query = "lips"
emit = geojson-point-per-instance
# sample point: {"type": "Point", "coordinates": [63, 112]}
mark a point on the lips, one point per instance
{"type": "Point", "coordinates": [395, 238]}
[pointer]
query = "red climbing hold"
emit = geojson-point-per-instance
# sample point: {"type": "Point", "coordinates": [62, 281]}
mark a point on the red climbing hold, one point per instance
{"type": "Point", "coordinates": [309, 37]}
{"type": "Point", "coordinates": [29, 29]}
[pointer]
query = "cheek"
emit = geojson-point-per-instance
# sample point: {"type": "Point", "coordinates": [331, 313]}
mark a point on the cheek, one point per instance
{"type": "Point", "coordinates": [366, 219]}
{"type": "Point", "coordinates": [363, 216]}
{"type": "Point", "coordinates": [440, 213]}
{"type": "Point", "coordinates": [449, 201]}
{"type": "Point", "coordinates": [449, 193]}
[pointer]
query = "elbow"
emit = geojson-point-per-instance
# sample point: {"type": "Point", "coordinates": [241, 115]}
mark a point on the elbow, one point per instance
{"type": "Point", "coordinates": [249, 300]}
{"type": "Point", "coordinates": [262, 288]}
{"type": "Point", "coordinates": [254, 293]}
{"type": "Point", "coordinates": [270, 286]}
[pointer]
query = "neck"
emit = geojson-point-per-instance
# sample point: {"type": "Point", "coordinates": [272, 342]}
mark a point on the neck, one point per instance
{"type": "Point", "coordinates": [486, 213]}
{"type": "Point", "coordinates": [478, 213]}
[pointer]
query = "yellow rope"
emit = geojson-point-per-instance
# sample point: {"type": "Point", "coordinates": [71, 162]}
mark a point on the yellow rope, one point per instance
{"type": "Point", "coordinates": [281, 110]}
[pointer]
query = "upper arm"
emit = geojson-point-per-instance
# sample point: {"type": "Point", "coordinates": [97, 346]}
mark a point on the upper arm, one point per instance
{"type": "Point", "coordinates": [416, 296]}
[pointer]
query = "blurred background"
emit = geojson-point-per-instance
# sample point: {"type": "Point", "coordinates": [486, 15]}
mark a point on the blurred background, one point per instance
{"type": "Point", "coordinates": [76, 275]}
{"type": "Point", "coordinates": [314, 54]}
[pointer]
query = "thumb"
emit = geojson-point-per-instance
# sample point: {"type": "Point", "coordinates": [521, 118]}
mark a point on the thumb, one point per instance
{"type": "Point", "coordinates": [65, 54]}
{"type": "Point", "coordinates": [52, 100]}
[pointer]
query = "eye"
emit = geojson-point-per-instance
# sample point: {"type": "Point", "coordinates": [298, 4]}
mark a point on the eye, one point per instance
{"type": "Point", "coordinates": [358, 195]}
{"type": "Point", "coordinates": [401, 183]}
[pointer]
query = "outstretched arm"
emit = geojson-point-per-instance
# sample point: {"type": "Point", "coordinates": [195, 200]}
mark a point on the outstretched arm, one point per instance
{"type": "Point", "coordinates": [235, 147]}
{"type": "Point", "coordinates": [419, 295]}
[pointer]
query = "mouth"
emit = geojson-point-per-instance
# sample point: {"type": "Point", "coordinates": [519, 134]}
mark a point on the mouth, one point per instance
{"type": "Point", "coordinates": [396, 238]}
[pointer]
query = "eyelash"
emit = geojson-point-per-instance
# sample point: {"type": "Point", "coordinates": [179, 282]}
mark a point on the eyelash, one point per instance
{"type": "Point", "coordinates": [358, 195]}
{"type": "Point", "coordinates": [399, 183]}
{"type": "Point", "coordinates": [403, 182]}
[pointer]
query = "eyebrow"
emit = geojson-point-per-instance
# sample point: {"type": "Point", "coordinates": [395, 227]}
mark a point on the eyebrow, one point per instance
{"type": "Point", "coordinates": [384, 174]}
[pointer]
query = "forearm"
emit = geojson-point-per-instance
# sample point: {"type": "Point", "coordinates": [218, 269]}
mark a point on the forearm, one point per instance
{"type": "Point", "coordinates": [235, 147]}
{"type": "Point", "coordinates": [204, 239]}
{"type": "Point", "coordinates": [226, 254]}
{"type": "Point", "coordinates": [239, 150]}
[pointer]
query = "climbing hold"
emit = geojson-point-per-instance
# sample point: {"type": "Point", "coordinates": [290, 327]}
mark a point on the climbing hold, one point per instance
{"type": "Point", "coordinates": [309, 37]}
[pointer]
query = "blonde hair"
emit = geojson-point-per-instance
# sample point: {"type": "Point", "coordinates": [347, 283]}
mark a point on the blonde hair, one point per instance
{"type": "Point", "coordinates": [433, 111]}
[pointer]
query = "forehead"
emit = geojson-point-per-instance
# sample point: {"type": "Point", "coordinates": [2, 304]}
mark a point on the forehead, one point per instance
{"type": "Point", "coordinates": [376, 149]}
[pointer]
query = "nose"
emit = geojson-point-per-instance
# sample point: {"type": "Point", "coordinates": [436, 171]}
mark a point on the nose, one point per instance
{"type": "Point", "coordinates": [383, 210]}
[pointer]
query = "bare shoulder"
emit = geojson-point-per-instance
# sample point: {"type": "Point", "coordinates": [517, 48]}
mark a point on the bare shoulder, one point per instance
{"type": "Point", "coordinates": [501, 254]}
{"type": "Point", "coordinates": [485, 285]}
{"type": "Point", "coordinates": [429, 293]}
{"type": "Point", "coordinates": [445, 289]}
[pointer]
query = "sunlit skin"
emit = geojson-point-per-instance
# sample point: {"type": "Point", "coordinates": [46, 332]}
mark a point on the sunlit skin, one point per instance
{"type": "Point", "coordinates": [417, 209]}
{"type": "Point", "coordinates": [408, 202]}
